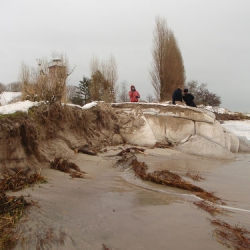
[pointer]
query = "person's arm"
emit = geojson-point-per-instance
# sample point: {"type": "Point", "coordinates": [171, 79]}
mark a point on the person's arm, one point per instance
{"type": "Point", "coordinates": [137, 94]}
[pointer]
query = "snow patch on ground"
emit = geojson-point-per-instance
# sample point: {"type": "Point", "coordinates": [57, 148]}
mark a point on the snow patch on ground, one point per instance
{"type": "Point", "coordinates": [239, 128]}
{"type": "Point", "coordinates": [18, 106]}
{"type": "Point", "coordinates": [7, 97]}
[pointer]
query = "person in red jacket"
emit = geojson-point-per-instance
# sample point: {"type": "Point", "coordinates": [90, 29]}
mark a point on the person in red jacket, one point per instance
{"type": "Point", "coordinates": [133, 94]}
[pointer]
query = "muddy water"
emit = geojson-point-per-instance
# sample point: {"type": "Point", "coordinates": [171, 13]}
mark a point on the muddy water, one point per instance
{"type": "Point", "coordinates": [118, 210]}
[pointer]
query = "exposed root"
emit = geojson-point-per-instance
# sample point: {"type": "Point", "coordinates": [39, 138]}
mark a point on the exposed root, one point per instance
{"type": "Point", "coordinates": [195, 177]}
{"type": "Point", "coordinates": [210, 208]}
{"type": "Point", "coordinates": [67, 167]}
{"type": "Point", "coordinates": [236, 237]}
{"type": "Point", "coordinates": [168, 178]}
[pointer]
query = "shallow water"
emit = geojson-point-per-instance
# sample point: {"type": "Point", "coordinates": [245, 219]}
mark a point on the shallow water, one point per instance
{"type": "Point", "coordinates": [116, 209]}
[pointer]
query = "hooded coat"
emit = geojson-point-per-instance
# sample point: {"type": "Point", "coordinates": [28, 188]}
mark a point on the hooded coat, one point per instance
{"type": "Point", "coordinates": [133, 94]}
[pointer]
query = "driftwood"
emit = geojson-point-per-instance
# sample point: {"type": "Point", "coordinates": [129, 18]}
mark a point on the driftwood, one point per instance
{"type": "Point", "coordinates": [84, 151]}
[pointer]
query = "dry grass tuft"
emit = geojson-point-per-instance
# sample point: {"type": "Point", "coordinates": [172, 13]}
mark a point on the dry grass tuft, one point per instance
{"type": "Point", "coordinates": [236, 237]}
{"type": "Point", "coordinates": [67, 167]}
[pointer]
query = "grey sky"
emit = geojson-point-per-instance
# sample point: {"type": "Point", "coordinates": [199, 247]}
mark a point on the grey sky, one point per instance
{"type": "Point", "coordinates": [213, 36]}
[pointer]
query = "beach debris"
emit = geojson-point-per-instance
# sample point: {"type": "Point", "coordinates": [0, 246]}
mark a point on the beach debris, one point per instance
{"type": "Point", "coordinates": [168, 178]}
{"type": "Point", "coordinates": [49, 237]}
{"type": "Point", "coordinates": [11, 209]}
{"type": "Point", "coordinates": [84, 150]}
{"type": "Point", "coordinates": [105, 247]}
{"type": "Point", "coordinates": [210, 207]}
{"type": "Point", "coordinates": [162, 145]}
{"type": "Point", "coordinates": [22, 178]}
{"type": "Point", "coordinates": [232, 236]}
{"type": "Point", "coordinates": [195, 177]}
{"type": "Point", "coordinates": [129, 151]}
{"type": "Point", "coordinates": [132, 150]}
{"type": "Point", "coordinates": [67, 167]}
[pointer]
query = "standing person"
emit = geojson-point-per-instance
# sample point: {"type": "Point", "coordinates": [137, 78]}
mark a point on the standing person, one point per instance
{"type": "Point", "coordinates": [177, 95]}
{"type": "Point", "coordinates": [133, 94]}
{"type": "Point", "coordinates": [188, 98]}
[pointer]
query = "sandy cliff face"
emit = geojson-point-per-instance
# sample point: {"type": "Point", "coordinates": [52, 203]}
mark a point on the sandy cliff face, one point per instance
{"type": "Point", "coordinates": [49, 131]}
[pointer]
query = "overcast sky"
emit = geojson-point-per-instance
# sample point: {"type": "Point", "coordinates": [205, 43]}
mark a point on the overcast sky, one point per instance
{"type": "Point", "coordinates": [213, 36]}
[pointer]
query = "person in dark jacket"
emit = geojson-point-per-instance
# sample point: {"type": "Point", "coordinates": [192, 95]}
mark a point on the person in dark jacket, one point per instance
{"type": "Point", "coordinates": [177, 95]}
{"type": "Point", "coordinates": [133, 94]}
{"type": "Point", "coordinates": [188, 98]}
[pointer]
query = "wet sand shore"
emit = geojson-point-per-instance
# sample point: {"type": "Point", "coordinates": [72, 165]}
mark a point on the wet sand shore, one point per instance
{"type": "Point", "coordinates": [114, 208]}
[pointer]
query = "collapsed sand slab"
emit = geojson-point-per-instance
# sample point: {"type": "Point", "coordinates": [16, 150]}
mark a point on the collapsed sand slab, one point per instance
{"type": "Point", "coordinates": [194, 130]}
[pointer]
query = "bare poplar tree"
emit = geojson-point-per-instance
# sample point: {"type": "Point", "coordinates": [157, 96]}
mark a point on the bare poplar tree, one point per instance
{"type": "Point", "coordinates": [123, 92]}
{"type": "Point", "coordinates": [70, 92]}
{"type": "Point", "coordinates": [167, 67]}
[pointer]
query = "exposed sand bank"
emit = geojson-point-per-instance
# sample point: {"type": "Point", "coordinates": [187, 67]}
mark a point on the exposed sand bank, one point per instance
{"type": "Point", "coordinates": [113, 208]}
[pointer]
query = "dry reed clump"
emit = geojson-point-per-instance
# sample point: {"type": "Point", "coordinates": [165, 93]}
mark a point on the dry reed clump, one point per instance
{"type": "Point", "coordinates": [67, 167]}
{"type": "Point", "coordinates": [168, 178]}
{"type": "Point", "coordinates": [195, 177]}
{"type": "Point", "coordinates": [11, 209]}
{"type": "Point", "coordinates": [236, 237]}
{"type": "Point", "coordinates": [22, 178]}
{"type": "Point", "coordinates": [210, 208]}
